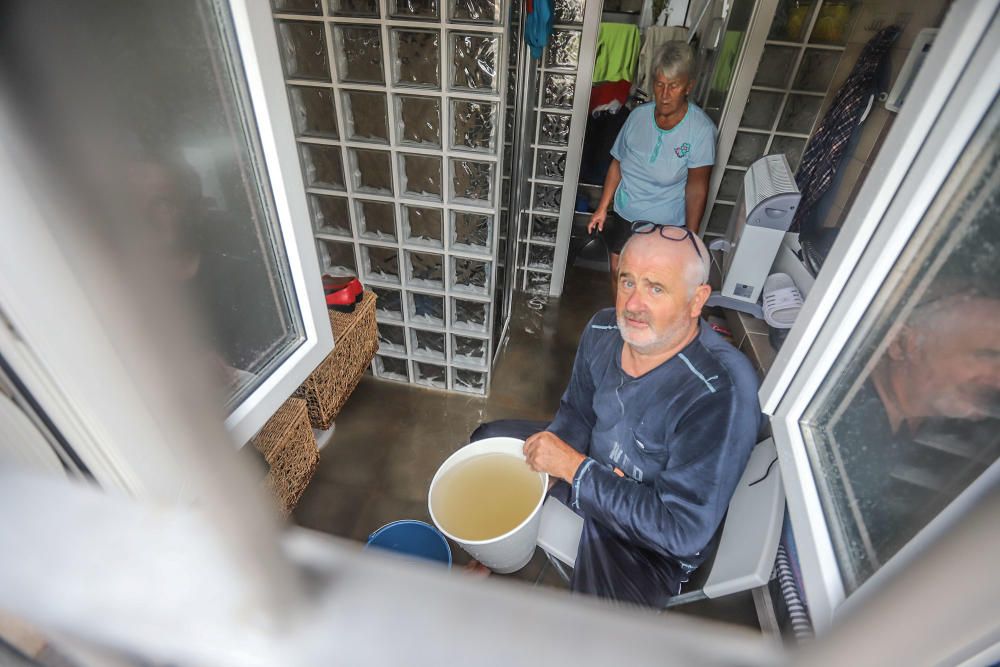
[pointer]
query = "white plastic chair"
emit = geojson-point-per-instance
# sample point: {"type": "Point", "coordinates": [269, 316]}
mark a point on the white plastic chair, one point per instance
{"type": "Point", "coordinates": [746, 549]}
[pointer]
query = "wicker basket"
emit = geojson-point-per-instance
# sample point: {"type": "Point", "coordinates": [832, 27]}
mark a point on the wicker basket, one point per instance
{"type": "Point", "coordinates": [287, 444]}
{"type": "Point", "coordinates": [356, 340]}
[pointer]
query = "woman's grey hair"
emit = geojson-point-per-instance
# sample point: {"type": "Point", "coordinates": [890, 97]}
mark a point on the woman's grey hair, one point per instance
{"type": "Point", "coordinates": [674, 59]}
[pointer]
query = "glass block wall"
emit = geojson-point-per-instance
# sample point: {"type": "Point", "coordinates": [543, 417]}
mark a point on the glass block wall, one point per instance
{"type": "Point", "coordinates": [801, 54]}
{"type": "Point", "coordinates": [553, 103]}
{"type": "Point", "coordinates": [397, 105]}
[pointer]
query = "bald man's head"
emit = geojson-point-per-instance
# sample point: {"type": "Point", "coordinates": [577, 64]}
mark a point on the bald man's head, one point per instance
{"type": "Point", "coordinates": [661, 289]}
{"type": "Point", "coordinates": [680, 247]}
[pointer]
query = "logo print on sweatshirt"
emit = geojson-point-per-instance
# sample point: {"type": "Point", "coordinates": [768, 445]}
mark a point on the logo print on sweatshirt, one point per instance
{"type": "Point", "coordinates": [682, 150]}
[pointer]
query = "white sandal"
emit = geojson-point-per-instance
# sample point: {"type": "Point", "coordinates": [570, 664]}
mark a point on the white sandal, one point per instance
{"type": "Point", "coordinates": [782, 301]}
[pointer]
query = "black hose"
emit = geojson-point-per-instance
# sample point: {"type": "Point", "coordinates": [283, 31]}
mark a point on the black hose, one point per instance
{"type": "Point", "coordinates": [797, 614]}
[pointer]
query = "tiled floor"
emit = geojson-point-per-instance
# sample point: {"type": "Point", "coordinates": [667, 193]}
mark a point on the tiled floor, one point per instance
{"type": "Point", "coordinates": [390, 438]}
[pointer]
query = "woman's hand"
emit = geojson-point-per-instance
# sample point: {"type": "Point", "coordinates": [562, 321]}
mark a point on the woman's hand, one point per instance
{"type": "Point", "coordinates": [597, 220]}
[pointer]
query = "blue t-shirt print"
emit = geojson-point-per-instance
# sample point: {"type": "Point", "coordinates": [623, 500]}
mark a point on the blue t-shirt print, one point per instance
{"type": "Point", "coordinates": [654, 163]}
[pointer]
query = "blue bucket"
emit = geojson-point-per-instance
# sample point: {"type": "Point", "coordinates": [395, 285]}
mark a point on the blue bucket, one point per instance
{"type": "Point", "coordinates": [412, 538]}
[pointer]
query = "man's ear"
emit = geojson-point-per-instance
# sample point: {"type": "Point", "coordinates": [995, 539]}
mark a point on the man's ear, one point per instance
{"type": "Point", "coordinates": [701, 294]}
{"type": "Point", "coordinates": [904, 345]}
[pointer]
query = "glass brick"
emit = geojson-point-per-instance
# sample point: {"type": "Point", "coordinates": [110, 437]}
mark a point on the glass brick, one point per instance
{"type": "Point", "coordinates": [330, 215]}
{"type": "Point", "coordinates": [372, 171]}
{"type": "Point", "coordinates": [472, 182]}
{"type": "Point", "coordinates": [391, 338]}
{"type": "Point", "coordinates": [425, 269]}
{"type": "Point", "coordinates": [816, 70]}
{"type": "Point", "coordinates": [791, 20]}
{"type": "Point", "coordinates": [469, 315]}
{"type": "Point", "coordinates": [472, 351]}
{"type": "Point", "coordinates": [550, 164]}
{"type": "Point", "coordinates": [540, 257]}
{"type": "Point", "coordinates": [366, 116]}
{"type": "Point", "coordinates": [747, 148]}
{"type": "Point", "coordinates": [416, 57]}
{"type": "Point", "coordinates": [474, 11]}
{"type": "Point", "coordinates": [791, 147]}
{"type": "Point", "coordinates": [427, 343]}
{"type": "Point", "coordinates": [420, 118]}
{"type": "Point", "coordinates": [718, 220]}
{"type": "Point", "coordinates": [388, 303]}
{"type": "Point", "coordinates": [336, 259]}
{"type": "Point", "coordinates": [833, 23]}
{"type": "Point", "coordinates": [544, 228]}
{"type": "Point", "coordinates": [554, 129]}
{"type": "Point", "coordinates": [391, 368]}
{"type": "Point", "coordinates": [359, 54]}
{"type": "Point", "coordinates": [775, 66]}
{"type": "Point", "coordinates": [421, 175]}
{"type": "Point", "coordinates": [472, 382]}
{"type": "Point", "coordinates": [471, 231]}
{"type": "Point", "coordinates": [537, 283]}
{"type": "Point", "coordinates": [313, 112]}
{"type": "Point", "coordinates": [426, 308]}
{"type": "Point", "coordinates": [354, 8]}
{"type": "Point", "coordinates": [423, 225]}
{"type": "Point", "coordinates": [761, 110]}
{"type": "Point", "coordinates": [474, 123]}
{"type": "Point", "coordinates": [303, 50]}
{"type": "Point", "coordinates": [568, 11]}
{"type": "Point", "coordinates": [298, 6]}
{"type": "Point", "coordinates": [559, 91]}
{"type": "Point", "coordinates": [376, 220]}
{"type": "Point", "coordinates": [563, 49]}
{"type": "Point", "coordinates": [547, 197]}
{"type": "Point", "coordinates": [470, 275]}
{"type": "Point", "coordinates": [430, 375]}
{"type": "Point", "coordinates": [381, 263]}
{"type": "Point", "coordinates": [800, 113]}
{"type": "Point", "coordinates": [322, 166]}
{"type": "Point", "coordinates": [474, 61]}
{"type": "Point", "coordinates": [732, 182]}
{"type": "Point", "coordinates": [414, 9]}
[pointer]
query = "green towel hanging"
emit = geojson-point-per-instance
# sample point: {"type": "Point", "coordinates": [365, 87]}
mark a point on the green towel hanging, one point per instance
{"type": "Point", "coordinates": [617, 52]}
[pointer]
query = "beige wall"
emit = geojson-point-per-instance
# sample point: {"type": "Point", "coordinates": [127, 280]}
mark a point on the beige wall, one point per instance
{"type": "Point", "coordinates": [872, 16]}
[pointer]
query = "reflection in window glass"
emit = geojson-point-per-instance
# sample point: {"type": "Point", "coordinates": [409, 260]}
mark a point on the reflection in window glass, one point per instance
{"type": "Point", "coordinates": [909, 416]}
{"type": "Point", "coordinates": [143, 106]}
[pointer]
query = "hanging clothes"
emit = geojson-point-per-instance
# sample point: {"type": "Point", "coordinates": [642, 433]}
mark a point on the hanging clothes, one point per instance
{"type": "Point", "coordinates": [601, 133]}
{"type": "Point", "coordinates": [826, 148]}
{"type": "Point", "coordinates": [617, 52]}
{"type": "Point", "coordinates": [603, 94]}
{"type": "Point", "coordinates": [538, 26]}
{"type": "Point", "coordinates": [655, 37]}
{"type": "Point", "coordinates": [729, 53]}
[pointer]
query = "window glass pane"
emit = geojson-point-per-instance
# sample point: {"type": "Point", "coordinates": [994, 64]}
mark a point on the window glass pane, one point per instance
{"type": "Point", "coordinates": [161, 137]}
{"type": "Point", "coordinates": [909, 416]}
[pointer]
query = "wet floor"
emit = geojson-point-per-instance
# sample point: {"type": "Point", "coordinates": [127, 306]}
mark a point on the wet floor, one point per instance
{"type": "Point", "coordinates": [390, 438]}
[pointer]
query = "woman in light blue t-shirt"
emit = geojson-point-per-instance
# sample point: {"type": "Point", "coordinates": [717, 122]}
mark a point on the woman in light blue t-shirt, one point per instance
{"type": "Point", "coordinates": [663, 157]}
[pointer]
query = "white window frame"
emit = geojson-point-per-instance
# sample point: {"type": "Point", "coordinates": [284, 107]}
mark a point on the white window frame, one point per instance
{"type": "Point", "coordinates": [258, 46]}
{"type": "Point", "coordinates": [960, 79]}
{"type": "Point", "coordinates": [99, 416]}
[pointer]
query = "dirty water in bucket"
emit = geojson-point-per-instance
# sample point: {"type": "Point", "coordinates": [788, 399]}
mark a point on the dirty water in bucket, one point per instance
{"type": "Point", "coordinates": [485, 496]}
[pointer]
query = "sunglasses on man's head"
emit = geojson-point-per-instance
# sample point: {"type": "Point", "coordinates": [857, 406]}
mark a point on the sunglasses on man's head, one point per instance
{"type": "Point", "coordinates": [646, 227]}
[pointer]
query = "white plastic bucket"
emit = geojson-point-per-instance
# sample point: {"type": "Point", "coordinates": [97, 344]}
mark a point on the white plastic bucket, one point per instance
{"type": "Point", "coordinates": [508, 552]}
